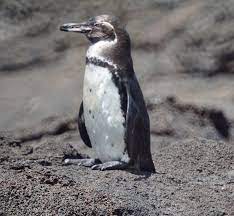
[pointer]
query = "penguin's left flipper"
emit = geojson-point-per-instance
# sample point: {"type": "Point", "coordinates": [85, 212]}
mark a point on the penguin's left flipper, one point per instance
{"type": "Point", "coordinates": [82, 128]}
{"type": "Point", "coordinates": [110, 165]}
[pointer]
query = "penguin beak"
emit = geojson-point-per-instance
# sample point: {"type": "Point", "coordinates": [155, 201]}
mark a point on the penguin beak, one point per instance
{"type": "Point", "coordinates": [76, 27]}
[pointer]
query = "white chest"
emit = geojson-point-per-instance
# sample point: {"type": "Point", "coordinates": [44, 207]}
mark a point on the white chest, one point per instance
{"type": "Point", "coordinates": [103, 116]}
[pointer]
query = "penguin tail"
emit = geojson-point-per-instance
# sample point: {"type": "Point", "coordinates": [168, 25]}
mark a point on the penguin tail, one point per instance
{"type": "Point", "coordinates": [147, 165]}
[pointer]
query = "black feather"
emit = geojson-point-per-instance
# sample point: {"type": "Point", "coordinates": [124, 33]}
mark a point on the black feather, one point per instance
{"type": "Point", "coordinates": [82, 129]}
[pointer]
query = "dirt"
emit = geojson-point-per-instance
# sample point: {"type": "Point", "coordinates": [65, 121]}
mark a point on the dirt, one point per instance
{"type": "Point", "coordinates": [194, 175]}
{"type": "Point", "coordinates": [183, 57]}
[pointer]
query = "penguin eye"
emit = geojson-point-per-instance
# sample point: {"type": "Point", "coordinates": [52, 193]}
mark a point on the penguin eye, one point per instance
{"type": "Point", "coordinates": [97, 24]}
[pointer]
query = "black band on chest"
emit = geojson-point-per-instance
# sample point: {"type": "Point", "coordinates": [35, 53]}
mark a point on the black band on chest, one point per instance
{"type": "Point", "coordinates": [100, 63]}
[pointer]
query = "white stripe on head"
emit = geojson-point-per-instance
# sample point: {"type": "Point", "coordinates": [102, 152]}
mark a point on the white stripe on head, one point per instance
{"type": "Point", "coordinates": [96, 49]}
{"type": "Point", "coordinates": [108, 24]}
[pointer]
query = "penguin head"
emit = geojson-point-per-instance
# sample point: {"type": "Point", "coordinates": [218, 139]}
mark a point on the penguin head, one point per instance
{"type": "Point", "coordinates": [99, 28]}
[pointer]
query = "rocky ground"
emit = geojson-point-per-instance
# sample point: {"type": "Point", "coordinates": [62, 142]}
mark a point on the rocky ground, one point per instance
{"type": "Point", "coordinates": [184, 59]}
{"type": "Point", "coordinates": [194, 174]}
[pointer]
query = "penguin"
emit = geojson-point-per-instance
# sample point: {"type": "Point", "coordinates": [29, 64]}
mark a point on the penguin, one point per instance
{"type": "Point", "coordinates": [113, 119]}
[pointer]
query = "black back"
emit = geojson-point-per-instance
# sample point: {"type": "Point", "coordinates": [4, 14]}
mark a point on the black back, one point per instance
{"type": "Point", "coordinates": [137, 131]}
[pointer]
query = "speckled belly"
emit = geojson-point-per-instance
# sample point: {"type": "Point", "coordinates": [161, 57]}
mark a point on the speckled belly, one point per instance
{"type": "Point", "coordinates": [103, 116]}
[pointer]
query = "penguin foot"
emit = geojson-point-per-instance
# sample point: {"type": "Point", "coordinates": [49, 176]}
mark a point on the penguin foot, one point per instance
{"type": "Point", "coordinates": [88, 162]}
{"type": "Point", "coordinates": [110, 165]}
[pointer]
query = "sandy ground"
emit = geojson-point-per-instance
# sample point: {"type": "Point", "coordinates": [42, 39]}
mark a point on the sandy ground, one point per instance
{"type": "Point", "coordinates": [194, 175]}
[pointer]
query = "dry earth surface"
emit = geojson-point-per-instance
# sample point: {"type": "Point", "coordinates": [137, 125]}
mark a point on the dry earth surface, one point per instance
{"type": "Point", "coordinates": [183, 56]}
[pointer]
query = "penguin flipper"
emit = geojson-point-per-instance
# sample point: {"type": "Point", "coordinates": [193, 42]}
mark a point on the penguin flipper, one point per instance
{"type": "Point", "coordinates": [138, 128]}
{"type": "Point", "coordinates": [82, 129]}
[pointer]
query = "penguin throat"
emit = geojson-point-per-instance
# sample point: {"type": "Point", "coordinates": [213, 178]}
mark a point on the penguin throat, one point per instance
{"type": "Point", "coordinates": [97, 50]}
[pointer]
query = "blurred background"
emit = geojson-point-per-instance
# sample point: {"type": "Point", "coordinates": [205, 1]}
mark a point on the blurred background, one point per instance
{"type": "Point", "coordinates": [183, 53]}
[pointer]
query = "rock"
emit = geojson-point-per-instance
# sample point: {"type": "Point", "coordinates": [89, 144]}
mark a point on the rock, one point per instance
{"type": "Point", "coordinates": [193, 177]}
